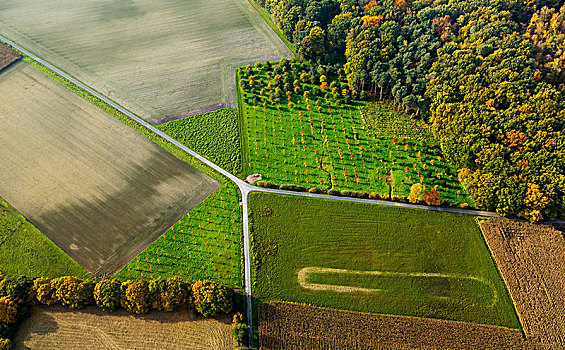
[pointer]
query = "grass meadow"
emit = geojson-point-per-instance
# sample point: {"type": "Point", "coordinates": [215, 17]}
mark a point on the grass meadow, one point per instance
{"type": "Point", "coordinates": [25, 251]}
{"type": "Point", "coordinates": [376, 259]}
{"type": "Point", "coordinates": [98, 189]}
{"type": "Point", "coordinates": [159, 59]}
{"type": "Point", "coordinates": [214, 135]}
{"type": "Point", "coordinates": [308, 139]}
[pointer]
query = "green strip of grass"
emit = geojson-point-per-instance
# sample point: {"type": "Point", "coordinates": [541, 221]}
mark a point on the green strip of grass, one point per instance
{"type": "Point", "coordinates": [25, 251]}
{"type": "Point", "coordinates": [214, 135]}
{"type": "Point", "coordinates": [291, 233]}
{"type": "Point", "coordinates": [267, 18]}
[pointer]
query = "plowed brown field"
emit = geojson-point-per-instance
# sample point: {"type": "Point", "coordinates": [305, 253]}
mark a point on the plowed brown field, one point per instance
{"type": "Point", "coordinates": [57, 327]}
{"type": "Point", "coordinates": [531, 259]}
{"type": "Point", "coordinates": [7, 56]}
{"type": "Point", "coordinates": [293, 326]}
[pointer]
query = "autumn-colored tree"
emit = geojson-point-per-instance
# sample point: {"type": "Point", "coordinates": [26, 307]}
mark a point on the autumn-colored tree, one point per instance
{"type": "Point", "coordinates": [417, 192]}
{"type": "Point", "coordinates": [535, 203]}
{"type": "Point", "coordinates": [5, 344]}
{"type": "Point", "coordinates": [74, 292]}
{"type": "Point", "coordinates": [8, 310]}
{"type": "Point", "coordinates": [168, 294]}
{"type": "Point", "coordinates": [44, 291]}
{"type": "Point", "coordinates": [107, 295]}
{"type": "Point", "coordinates": [211, 298]}
{"type": "Point", "coordinates": [432, 197]}
{"type": "Point", "coordinates": [240, 330]}
{"type": "Point", "coordinates": [135, 296]}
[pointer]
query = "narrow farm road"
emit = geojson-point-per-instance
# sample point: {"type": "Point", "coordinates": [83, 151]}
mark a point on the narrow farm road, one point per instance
{"type": "Point", "coordinates": [243, 186]}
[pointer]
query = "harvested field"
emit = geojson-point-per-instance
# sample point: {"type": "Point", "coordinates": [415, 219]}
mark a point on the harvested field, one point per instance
{"type": "Point", "coordinates": [57, 327]}
{"type": "Point", "coordinates": [101, 191]}
{"type": "Point", "coordinates": [160, 59]}
{"type": "Point", "coordinates": [7, 56]}
{"type": "Point", "coordinates": [531, 259]}
{"type": "Point", "coordinates": [293, 326]}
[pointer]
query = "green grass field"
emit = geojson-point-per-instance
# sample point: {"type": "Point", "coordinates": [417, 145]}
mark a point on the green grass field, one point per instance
{"type": "Point", "coordinates": [24, 251]}
{"type": "Point", "coordinates": [214, 135]}
{"type": "Point", "coordinates": [160, 59]}
{"type": "Point", "coordinates": [377, 259]}
{"type": "Point", "coordinates": [356, 144]}
{"type": "Point", "coordinates": [205, 244]}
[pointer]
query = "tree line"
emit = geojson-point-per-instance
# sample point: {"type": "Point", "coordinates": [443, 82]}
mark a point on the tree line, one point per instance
{"type": "Point", "coordinates": [17, 295]}
{"type": "Point", "coordinates": [489, 76]}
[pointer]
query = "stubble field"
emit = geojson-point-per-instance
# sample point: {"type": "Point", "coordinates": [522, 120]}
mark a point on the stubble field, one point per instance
{"type": "Point", "coordinates": [57, 327]}
{"type": "Point", "coordinates": [159, 59]}
{"type": "Point", "coordinates": [293, 326]}
{"type": "Point", "coordinates": [99, 190]}
{"type": "Point", "coordinates": [531, 262]}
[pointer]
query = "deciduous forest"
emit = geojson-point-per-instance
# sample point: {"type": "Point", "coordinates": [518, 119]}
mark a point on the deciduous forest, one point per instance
{"type": "Point", "coordinates": [488, 76]}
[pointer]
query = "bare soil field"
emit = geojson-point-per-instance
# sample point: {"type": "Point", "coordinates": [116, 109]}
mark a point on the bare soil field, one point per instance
{"type": "Point", "coordinates": [7, 56]}
{"type": "Point", "coordinates": [101, 191]}
{"type": "Point", "coordinates": [531, 259]}
{"type": "Point", "coordinates": [160, 59]}
{"type": "Point", "coordinates": [294, 326]}
{"type": "Point", "coordinates": [57, 327]}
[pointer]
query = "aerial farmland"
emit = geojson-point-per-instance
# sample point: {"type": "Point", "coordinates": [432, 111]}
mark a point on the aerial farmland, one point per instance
{"type": "Point", "coordinates": [99, 190]}
{"type": "Point", "coordinates": [282, 174]}
{"type": "Point", "coordinates": [161, 60]}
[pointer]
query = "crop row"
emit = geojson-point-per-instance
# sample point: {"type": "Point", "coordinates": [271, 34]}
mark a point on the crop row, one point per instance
{"type": "Point", "coordinates": [312, 141]}
{"type": "Point", "coordinates": [295, 326]}
{"type": "Point", "coordinates": [530, 258]}
{"type": "Point", "coordinates": [204, 244]}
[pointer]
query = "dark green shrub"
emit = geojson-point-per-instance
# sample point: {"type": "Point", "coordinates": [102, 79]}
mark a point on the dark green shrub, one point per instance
{"type": "Point", "coordinates": [240, 330]}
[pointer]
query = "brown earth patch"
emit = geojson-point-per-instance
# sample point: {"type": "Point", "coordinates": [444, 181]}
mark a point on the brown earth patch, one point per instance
{"type": "Point", "coordinates": [294, 326]}
{"type": "Point", "coordinates": [7, 56]}
{"type": "Point", "coordinates": [57, 327]}
{"type": "Point", "coordinates": [531, 259]}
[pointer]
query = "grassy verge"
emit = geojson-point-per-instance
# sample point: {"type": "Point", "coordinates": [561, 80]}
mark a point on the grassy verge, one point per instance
{"type": "Point", "coordinates": [431, 264]}
{"type": "Point", "coordinates": [244, 169]}
{"type": "Point", "coordinates": [25, 251]}
{"type": "Point", "coordinates": [267, 18]}
{"type": "Point", "coordinates": [214, 135]}
{"type": "Point", "coordinates": [214, 267]}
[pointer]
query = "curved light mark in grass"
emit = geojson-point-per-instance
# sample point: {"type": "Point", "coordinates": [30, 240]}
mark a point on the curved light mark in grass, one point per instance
{"type": "Point", "coordinates": [304, 272]}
